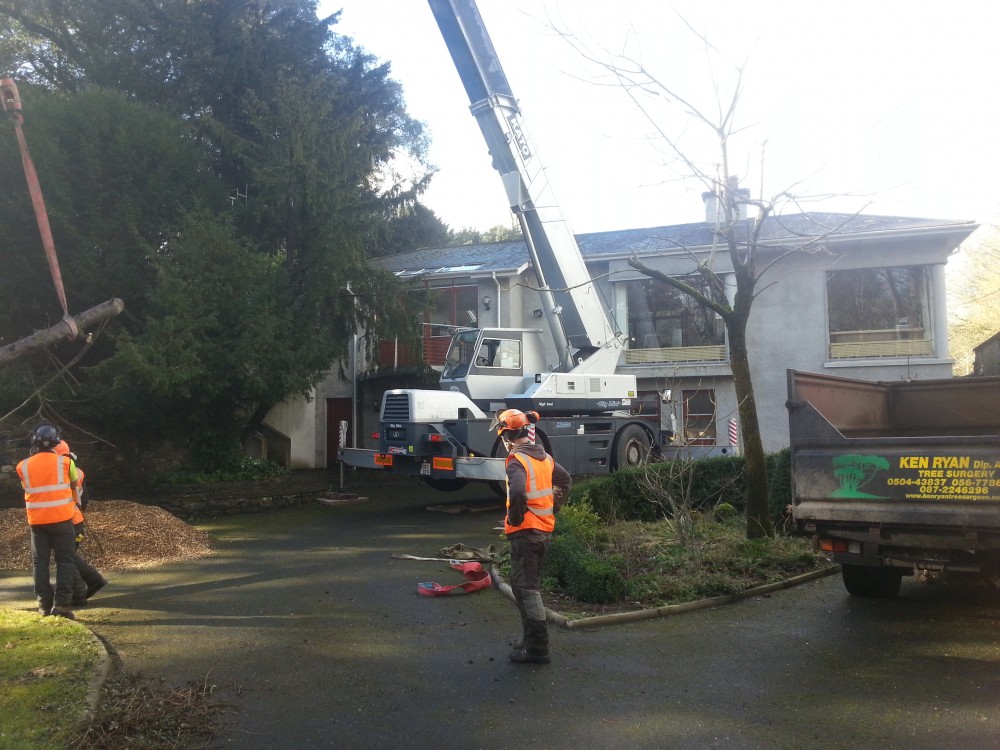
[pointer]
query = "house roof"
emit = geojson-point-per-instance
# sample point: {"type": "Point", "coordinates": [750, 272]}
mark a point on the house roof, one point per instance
{"type": "Point", "coordinates": [511, 257]}
{"type": "Point", "coordinates": [464, 260]}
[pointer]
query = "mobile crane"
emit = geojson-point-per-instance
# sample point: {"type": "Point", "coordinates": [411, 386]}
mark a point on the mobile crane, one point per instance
{"type": "Point", "coordinates": [587, 420]}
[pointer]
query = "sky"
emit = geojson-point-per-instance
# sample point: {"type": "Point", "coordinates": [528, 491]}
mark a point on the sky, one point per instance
{"type": "Point", "coordinates": [886, 107]}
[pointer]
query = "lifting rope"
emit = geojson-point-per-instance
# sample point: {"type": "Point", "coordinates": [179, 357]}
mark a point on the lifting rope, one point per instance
{"type": "Point", "coordinates": [12, 105]}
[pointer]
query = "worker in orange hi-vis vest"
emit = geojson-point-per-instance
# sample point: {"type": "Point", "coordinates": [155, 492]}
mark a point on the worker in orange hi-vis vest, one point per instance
{"type": "Point", "coordinates": [87, 580]}
{"type": "Point", "coordinates": [536, 487]}
{"type": "Point", "coordinates": [49, 481]}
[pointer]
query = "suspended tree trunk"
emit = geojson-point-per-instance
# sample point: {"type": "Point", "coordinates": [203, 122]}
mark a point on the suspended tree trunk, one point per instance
{"type": "Point", "coordinates": [61, 331]}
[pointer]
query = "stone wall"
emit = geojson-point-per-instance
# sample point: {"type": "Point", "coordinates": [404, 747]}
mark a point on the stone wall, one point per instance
{"type": "Point", "coordinates": [210, 501]}
{"type": "Point", "coordinates": [193, 500]}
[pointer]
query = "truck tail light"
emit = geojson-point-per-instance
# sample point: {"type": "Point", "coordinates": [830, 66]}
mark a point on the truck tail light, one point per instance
{"type": "Point", "coordinates": [376, 435]}
{"type": "Point", "coordinates": [839, 545]}
{"type": "Point", "coordinates": [436, 437]}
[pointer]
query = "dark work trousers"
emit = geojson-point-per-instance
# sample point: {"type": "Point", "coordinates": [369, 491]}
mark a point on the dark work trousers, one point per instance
{"type": "Point", "coordinates": [85, 575]}
{"type": "Point", "coordinates": [58, 540]}
{"type": "Point", "coordinates": [527, 555]}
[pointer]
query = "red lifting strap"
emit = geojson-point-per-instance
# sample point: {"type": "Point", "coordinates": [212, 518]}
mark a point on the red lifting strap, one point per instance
{"type": "Point", "coordinates": [478, 579]}
{"type": "Point", "coordinates": [12, 105]}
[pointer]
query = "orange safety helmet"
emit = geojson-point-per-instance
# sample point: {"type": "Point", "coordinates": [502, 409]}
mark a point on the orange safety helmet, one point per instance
{"type": "Point", "coordinates": [62, 449]}
{"type": "Point", "coordinates": [512, 420]}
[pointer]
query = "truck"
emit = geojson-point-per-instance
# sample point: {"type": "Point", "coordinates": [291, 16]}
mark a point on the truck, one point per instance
{"type": "Point", "coordinates": [897, 478]}
{"type": "Point", "coordinates": [588, 411]}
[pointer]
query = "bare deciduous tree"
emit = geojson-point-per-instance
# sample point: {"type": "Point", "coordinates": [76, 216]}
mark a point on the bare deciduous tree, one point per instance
{"type": "Point", "coordinates": [733, 267]}
{"type": "Point", "coordinates": [976, 292]}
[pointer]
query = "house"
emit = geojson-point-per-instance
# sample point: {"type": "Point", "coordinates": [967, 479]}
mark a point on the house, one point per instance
{"type": "Point", "coordinates": [845, 294]}
{"type": "Point", "coordinates": [987, 356]}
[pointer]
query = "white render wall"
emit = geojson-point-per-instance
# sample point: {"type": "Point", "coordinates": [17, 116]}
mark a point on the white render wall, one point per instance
{"type": "Point", "coordinates": [296, 419]}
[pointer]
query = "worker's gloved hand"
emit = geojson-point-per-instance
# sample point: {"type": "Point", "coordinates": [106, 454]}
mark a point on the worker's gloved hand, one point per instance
{"type": "Point", "coordinates": [558, 498]}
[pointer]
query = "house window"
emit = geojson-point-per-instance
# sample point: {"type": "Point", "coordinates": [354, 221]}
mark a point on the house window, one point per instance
{"type": "Point", "coordinates": [666, 325]}
{"type": "Point", "coordinates": [454, 307]}
{"type": "Point", "coordinates": [699, 417]}
{"type": "Point", "coordinates": [879, 312]}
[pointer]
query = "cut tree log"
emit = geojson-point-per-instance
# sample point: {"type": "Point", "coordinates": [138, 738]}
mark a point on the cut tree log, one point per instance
{"type": "Point", "coordinates": [61, 331]}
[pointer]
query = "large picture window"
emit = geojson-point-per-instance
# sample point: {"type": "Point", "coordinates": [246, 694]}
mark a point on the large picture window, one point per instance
{"type": "Point", "coordinates": [879, 312]}
{"type": "Point", "coordinates": [666, 325]}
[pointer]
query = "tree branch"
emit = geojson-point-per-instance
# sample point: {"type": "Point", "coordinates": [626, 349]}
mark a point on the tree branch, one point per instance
{"type": "Point", "coordinates": [60, 331]}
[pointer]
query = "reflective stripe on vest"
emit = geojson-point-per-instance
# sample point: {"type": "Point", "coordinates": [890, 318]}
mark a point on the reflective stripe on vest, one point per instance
{"type": "Point", "coordinates": [539, 494]}
{"type": "Point", "coordinates": [52, 501]}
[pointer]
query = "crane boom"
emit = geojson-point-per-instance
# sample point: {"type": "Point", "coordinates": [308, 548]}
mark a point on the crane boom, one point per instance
{"type": "Point", "coordinates": [572, 303]}
{"type": "Point", "coordinates": [586, 408]}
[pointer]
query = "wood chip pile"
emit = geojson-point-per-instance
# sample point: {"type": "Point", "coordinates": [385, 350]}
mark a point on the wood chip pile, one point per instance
{"type": "Point", "coordinates": [121, 535]}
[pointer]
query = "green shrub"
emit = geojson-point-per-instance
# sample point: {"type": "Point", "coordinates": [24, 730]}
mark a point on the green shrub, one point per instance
{"type": "Point", "coordinates": [561, 555]}
{"type": "Point", "coordinates": [615, 497]}
{"type": "Point", "coordinates": [779, 475]}
{"type": "Point", "coordinates": [583, 523]}
{"type": "Point", "coordinates": [622, 495]}
{"type": "Point", "coordinates": [725, 511]}
{"type": "Point", "coordinates": [595, 580]}
{"type": "Point", "coordinates": [581, 573]}
{"type": "Point", "coordinates": [237, 468]}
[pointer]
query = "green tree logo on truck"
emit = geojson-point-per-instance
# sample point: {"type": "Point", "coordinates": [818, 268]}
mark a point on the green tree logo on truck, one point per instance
{"type": "Point", "coordinates": [854, 471]}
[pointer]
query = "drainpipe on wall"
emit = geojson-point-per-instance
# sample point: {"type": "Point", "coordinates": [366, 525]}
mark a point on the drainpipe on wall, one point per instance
{"type": "Point", "coordinates": [497, 282]}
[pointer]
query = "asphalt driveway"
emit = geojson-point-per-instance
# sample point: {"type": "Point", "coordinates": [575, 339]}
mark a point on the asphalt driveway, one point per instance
{"type": "Point", "coordinates": [318, 637]}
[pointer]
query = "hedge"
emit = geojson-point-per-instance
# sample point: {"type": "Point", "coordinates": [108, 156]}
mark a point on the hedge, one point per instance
{"type": "Point", "coordinates": [621, 496]}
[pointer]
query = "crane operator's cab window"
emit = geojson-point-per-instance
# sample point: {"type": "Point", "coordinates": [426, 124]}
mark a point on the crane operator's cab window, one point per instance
{"type": "Point", "coordinates": [468, 351]}
{"type": "Point", "coordinates": [502, 353]}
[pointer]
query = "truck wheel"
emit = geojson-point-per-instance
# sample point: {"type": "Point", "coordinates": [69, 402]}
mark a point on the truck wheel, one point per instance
{"type": "Point", "coordinates": [632, 447]}
{"type": "Point", "coordinates": [445, 485]}
{"type": "Point", "coordinates": [863, 580]}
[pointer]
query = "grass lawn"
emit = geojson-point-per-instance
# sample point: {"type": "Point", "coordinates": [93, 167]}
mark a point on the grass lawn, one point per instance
{"type": "Point", "coordinates": [44, 672]}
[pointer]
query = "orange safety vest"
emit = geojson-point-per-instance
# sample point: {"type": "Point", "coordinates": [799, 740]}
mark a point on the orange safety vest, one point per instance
{"type": "Point", "coordinates": [62, 449]}
{"type": "Point", "coordinates": [77, 499]}
{"type": "Point", "coordinates": [541, 497]}
{"type": "Point", "coordinates": [48, 494]}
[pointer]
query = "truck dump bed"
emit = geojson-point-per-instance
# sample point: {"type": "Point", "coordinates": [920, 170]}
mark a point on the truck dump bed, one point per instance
{"type": "Point", "coordinates": [912, 453]}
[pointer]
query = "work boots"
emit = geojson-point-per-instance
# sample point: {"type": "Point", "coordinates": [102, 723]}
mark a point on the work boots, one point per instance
{"type": "Point", "coordinates": [520, 645]}
{"type": "Point", "coordinates": [60, 611]}
{"type": "Point", "coordinates": [536, 644]}
{"type": "Point", "coordinates": [79, 592]}
{"type": "Point", "coordinates": [94, 586]}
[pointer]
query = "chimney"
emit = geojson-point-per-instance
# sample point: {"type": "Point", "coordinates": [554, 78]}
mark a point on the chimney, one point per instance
{"type": "Point", "coordinates": [715, 213]}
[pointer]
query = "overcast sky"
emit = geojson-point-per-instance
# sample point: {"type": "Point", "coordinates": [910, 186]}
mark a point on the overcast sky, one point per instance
{"type": "Point", "coordinates": [888, 105]}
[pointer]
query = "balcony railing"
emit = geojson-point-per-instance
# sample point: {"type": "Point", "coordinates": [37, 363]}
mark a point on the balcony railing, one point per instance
{"type": "Point", "coordinates": [675, 354]}
{"type": "Point", "coordinates": [872, 349]}
{"type": "Point", "coordinates": [874, 343]}
{"type": "Point", "coordinates": [392, 354]}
